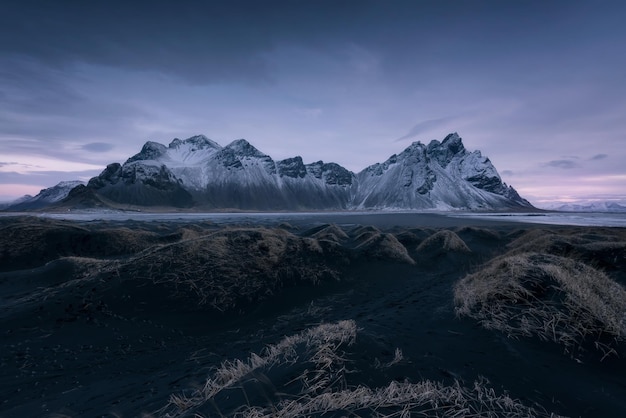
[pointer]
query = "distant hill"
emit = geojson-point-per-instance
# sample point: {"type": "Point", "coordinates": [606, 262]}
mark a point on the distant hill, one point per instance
{"type": "Point", "coordinates": [45, 198]}
{"type": "Point", "coordinates": [587, 207]}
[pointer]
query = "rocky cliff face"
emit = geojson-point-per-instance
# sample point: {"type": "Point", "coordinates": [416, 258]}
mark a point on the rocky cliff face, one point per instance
{"type": "Point", "coordinates": [237, 176]}
{"type": "Point", "coordinates": [198, 171]}
{"type": "Point", "coordinates": [138, 183]}
{"type": "Point", "coordinates": [440, 175]}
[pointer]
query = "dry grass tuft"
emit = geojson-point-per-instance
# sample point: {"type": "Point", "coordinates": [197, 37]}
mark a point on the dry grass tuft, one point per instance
{"type": "Point", "coordinates": [32, 242]}
{"type": "Point", "coordinates": [482, 233]}
{"type": "Point", "coordinates": [605, 249]}
{"type": "Point", "coordinates": [552, 297]}
{"type": "Point", "coordinates": [322, 389]}
{"type": "Point", "coordinates": [287, 226]}
{"type": "Point", "coordinates": [384, 247]}
{"type": "Point", "coordinates": [542, 241]}
{"type": "Point", "coordinates": [443, 241]}
{"type": "Point", "coordinates": [318, 347]}
{"type": "Point", "coordinates": [233, 266]}
{"type": "Point", "coordinates": [363, 233]}
{"type": "Point", "coordinates": [83, 267]}
{"type": "Point", "coordinates": [331, 233]}
{"type": "Point", "coordinates": [424, 399]}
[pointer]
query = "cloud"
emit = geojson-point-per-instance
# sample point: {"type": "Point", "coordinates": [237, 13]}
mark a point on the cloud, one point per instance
{"type": "Point", "coordinates": [49, 106]}
{"type": "Point", "coordinates": [45, 178]}
{"type": "Point", "coordinates": [564, 164]}
{"type": "Point", "coordinates": [213, 42]}
{"type": "Point", "coordinates": [425, 126]}
{"type": "Point", "coordinates": [15, 164]}
{"type": "Point", "coordinates": [598, 157]}
{"type": "Point", "coordinates": [198, 42]}
{"type": "Point", "coordinates": [98, 147]}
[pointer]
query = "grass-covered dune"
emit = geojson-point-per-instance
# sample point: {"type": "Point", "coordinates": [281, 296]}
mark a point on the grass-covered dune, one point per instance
{"type": "Point", "coordinates": [309, 318]}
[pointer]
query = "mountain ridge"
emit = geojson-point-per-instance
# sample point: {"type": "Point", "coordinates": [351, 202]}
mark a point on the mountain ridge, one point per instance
{"type": "Point", "coordinates": [197, 172]}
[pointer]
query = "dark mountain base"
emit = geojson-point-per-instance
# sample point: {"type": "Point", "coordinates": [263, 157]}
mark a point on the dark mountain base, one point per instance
{"type": "Point", "coordinates": [125, 318]}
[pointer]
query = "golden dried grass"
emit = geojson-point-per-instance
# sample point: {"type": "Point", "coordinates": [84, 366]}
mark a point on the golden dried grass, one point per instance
{"type": "Point", "coordinates": [383, 246]}
{"type": "Point", "coordinates": [319, 357]}
{"type": "Point", "coordinates": [552, 297]}
{"type": "Point", "coordinates": [233, 265]}
{"type": "Point", "coordinates": [443, 241]}
{"type": "Point", "coordinates": [34, 242]}
{"type": "Point", "coordinates": [331, 233]}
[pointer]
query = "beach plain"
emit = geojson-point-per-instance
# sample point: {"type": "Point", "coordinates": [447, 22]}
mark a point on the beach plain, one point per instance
{"type": "Point", "coordinates": [311, 315]}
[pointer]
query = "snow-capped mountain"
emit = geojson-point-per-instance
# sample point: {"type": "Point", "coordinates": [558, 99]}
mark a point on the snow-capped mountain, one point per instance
{"type": "Point", "coordinates": [45, 197]}
{"type": "Point", "coordinates": [201, 173]}
{"type": "Point", "coordinates": [441, 175]}
{"type": "Point", "coordinates": [238, 176]}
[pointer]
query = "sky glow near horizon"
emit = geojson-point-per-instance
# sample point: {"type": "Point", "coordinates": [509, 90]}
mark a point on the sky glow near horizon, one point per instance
{"type": "Point", "coordinates": [538, 87]}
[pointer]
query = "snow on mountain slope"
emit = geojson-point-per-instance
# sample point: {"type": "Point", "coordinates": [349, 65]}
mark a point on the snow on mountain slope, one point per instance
{"type": "Point", "coordinates": [237, 176]}
{"type": "Point", "coordinates": [440, 175]}
{"type": "Point", "coordinates": [198, 171]}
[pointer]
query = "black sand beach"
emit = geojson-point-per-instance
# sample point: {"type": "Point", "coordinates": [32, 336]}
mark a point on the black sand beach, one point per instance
{"type": "Point", "coordinates": [351, 315]}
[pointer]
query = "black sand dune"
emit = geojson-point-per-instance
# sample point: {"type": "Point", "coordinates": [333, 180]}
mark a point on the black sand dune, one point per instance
{"type": "Point", "coordinates": [341, 317]}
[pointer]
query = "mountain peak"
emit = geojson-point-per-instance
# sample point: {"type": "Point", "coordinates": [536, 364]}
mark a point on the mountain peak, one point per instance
{"type": "Point", "coordinates": [197, 142]}
{"type": "Point", "coordinates": [453, 142]}
{"type": "Point", "coordinates": [331, 173]}
{"type": "Point", "coordinates": [150, 151]}
{"type": "Point", "coordinates": [152, 146]}
{"type": "Point", "coordinates": [243, 148]}
{"type": "Point", "coordinates": [446, 150]}
{"type": "Point", "coordinates": [415, 146]}
{"type": "Point", "coordinates": [291, 167]}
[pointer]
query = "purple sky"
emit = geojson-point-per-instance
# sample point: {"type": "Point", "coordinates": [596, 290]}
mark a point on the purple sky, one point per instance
{"type": "Point", "coordinates": [537, 86]}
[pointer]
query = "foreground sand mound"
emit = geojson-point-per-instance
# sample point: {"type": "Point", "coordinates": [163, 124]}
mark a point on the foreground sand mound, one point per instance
{"type": "Point", "coordinates": [80, 267]}
{"type": "Point", "coordinates": [478, 237]}
{"type": "Point", "coordinates": [234, 266]}
{"type": "Point", "coordinates": [605, 248]}
{"type": "Point", "coordinates": [383, 246]}
{"type": "Point", "coordinates": [309, 374]}
{"type": "Point", "coordinates": [361, 234]}
{"type": "Point", "coordinates": [545, 242]}
{"type": "Point", "coordinates": [610, 256]}
{"type": "Point", "coordinates": [481, 233]}
{"type": "Point", "coordinates": [412, 237]}
{"type": "Point", "coordinates": [32, 242]}
{"type": "Point", "coordinates": [552, 297]}
{"type": "Point", "coordinates": [330, 233]}
{"type": "Point", "coordinates": [443, 241]}
{"type": "Point", "coordinates": [565, 242]}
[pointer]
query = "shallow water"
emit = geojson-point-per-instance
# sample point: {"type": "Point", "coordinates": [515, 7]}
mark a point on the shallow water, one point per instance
{"type": "Point", "coordinates": [555, 218]}
{"type": "Point", "coordinates": [434, 219]}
